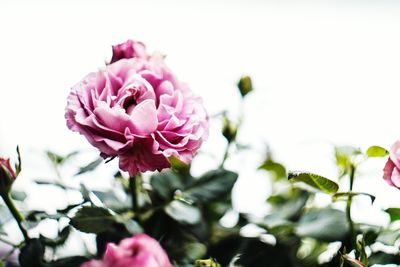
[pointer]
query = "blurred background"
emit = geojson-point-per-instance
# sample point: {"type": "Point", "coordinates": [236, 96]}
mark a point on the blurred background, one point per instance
{"type": "Point", "coordinates": [325, 73]}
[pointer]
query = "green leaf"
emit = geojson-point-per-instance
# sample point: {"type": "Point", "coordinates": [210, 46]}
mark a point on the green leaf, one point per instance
{"type": "Point", "coordinates": [18, 195]}
{"type": "Point", "coordinates": [353, 262]}
{"type": "Point", "coordinates": [316, 181]}
{"type": "Point", "coordinates": [165, 183]}
{"type": "Point", "coordinates": [212, 186]}
{"type": "Point", "coordinates": [345, 195]}
{"type": "Point", "coordinates": [388, 237]}
{"type": "Point", "coordinates": [74, 261]}
{"type": "Point", "coordinates": [394, 214]}
{"type": "Point", "coordinates": [245, 85]}
{"type": "Point", "coordinates": [324, 224]}
{"type": "Point", "coordinates": [90, 167]}
{"type": "Point", "coordinates": [58, 159]}
{"type": "Point", "coordinates": [18, 165]}
{"type": "Point", "coordinates": [277, 170]}
{"type": "Point", "coordinates": [32, 254]}
{"type": "Point", "coordinates": [92, 220]}
{"type": "Point", "coordinates": [344, 158]}
{"type": "Point", "coordinates": [360, 247]}
{"type": "Point", "coordinates": [194, 251]}
{"type": "Point", "coordinates": [59, 240]}
{"type": "Point", "coordinates": [183, 212]}
{"type": "Point", "coordinates": [377, 151]}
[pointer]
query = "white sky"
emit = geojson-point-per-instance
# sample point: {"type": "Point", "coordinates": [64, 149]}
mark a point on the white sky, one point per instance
{"type": "Point", "coordinates": [325, 72]}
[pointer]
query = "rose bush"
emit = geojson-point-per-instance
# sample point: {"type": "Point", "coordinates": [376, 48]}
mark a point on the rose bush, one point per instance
{"type": "Point", "coordinates": [136, 109]}
{"type": "Point", "coordinates": [137, 251]}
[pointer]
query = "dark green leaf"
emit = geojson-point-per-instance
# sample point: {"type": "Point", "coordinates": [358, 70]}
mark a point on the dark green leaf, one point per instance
{"type": "Point", "coordinates": [316, 181]}
{"type": "Point", "coordinates": [346, 195]}
{"type": "Point", "coordinates": [324, 224]}
{"type": "Point", "coordinates": [394, 214]}
{"type": "Point", "coordinates": [377, 151]}
{"type": "Point", "coordinates": [277, 170]}
{"type": "Point", "coordinates": [183, 212]}
{"type": "Point", "coordinates": [245, 85]}
{"type": "Point", "coordinates": [382, 258]}
{"type": "Point", "coordinates": [111, 200]}
{"type": "Point", "coordinates": [165, 183]}
{"type": "Point", "coordinates": [32, 254]}
{"type": "Point", "coordinates": [92, 220]}
{"type": "Point", "coordinates": [75, 261]}
{"type": "Point", "coordinates": [59, 240]}
{"type": "Point", "coordinates": [90, 167]}
{"type": "Point", "coordinates": [211, 186]}
{"type": "Point", "coordinates": [194, 251]}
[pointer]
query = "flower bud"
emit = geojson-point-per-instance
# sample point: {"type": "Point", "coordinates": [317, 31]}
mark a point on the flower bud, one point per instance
{"type": "Point", "coordinates": [129, 49]}
{"type": "Point", "coordinates": [7, 175]}
{"type": "Point", "coordinates": [245, 85]}
{"type": "Point", "coordinates": [229, 131]}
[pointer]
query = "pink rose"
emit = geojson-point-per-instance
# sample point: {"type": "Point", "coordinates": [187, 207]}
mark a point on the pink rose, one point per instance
{"type": "Point", "coordinates": [129, 49]}
{"type": "Point", "coordinates": [391, 172]}
{"type": "Point", "coordinates": [7, 175]}
{"type": "Point", "coordinates": [137, 251]}
{"type": "Point", "coordinates": [137, 110]}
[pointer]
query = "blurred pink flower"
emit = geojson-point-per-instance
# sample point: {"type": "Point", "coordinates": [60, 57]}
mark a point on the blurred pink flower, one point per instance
{"type": "Point", "coordinates": [136, 109]}
{"type": "Point", "coordinates": [137, 251]}
{"type": "Point", "coordinates": [129, 49]}
{"type": "Point", "coordinates": [391, 172]}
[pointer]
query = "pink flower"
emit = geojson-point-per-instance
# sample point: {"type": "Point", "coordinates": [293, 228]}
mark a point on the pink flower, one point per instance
{"type": "Point", "coordinates": [137, 251]}
{"type": "Point", "coordinates": [391, 172]}
{"type": "Point", "coordinates": [7, 175]}
{"type": "Point", "coordinates": [129, 49]}
{"type": "Point", "coordinates": [136, 109]}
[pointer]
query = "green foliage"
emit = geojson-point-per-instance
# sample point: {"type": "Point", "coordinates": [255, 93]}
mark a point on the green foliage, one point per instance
{"type": "Point", "coordinates": [211, 186]}
{"type": "Point", "coordinates": [345, 157]}
{"type": "Point", "coordinates": [315, 181]}
{"type": "Point", "coordinates": [90, 166]}
{"type": "Point", "coordinates": [92, 220]}
{"type": "Point", "coordinates": [186, 214]}
{"type": "Point", "coordinates": [323, 224]}
{"type": "Point", "coordinates": [394, 214]}
{"type": "Point", "coordinates": [277, 170]}
{"type": "Point", "coordinates": [346, 195]}
{"type": "Point", "coordinates": [377, 151]}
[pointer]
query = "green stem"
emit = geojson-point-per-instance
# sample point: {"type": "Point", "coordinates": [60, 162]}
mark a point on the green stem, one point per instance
{"type": "Point", "coordinates": [16, 214]}
{"type": "Point", "coordinates": [133, 187]}
{"type": "Point", "coordinates": [348, 207]}
{"type": "Point", "coordinates": [226, 155]}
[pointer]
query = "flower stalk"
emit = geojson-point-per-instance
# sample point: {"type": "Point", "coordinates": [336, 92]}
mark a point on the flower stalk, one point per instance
{"type": "Point", "coordinates": [19, 218]}
{"type": "Point", "coordinates": [348, 206]}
